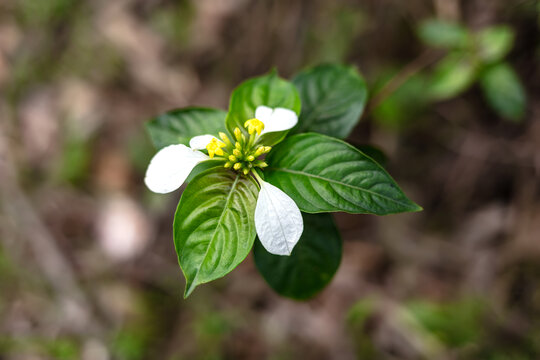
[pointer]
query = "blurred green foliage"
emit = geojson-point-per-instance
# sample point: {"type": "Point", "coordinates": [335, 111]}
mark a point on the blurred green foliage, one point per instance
{"type": "Point", "coordinates": [58, 349]}
{"type": "Point", "coordinates": [174, 22]}
{"type": "Point", "coordinates": [443, 34]}
{"type": "Point", "coordinates": [503, 90]}
{"type": "Point", "coordinates": [466, 327]}
{"type": "Point", "coordinates": [475, 56]}
{"type": "Point", "coordinates": [404, 106]}
{"type": "Point", "coordinates": [471, 57]}
{"type": "Point", "coordinates": [455, 324]}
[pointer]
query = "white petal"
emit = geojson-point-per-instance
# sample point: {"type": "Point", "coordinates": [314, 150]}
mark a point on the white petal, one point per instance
{"type": "Point", "coordinates": [278, 220]}
{"type": "Point", "coordinates": [170, 167]}
{"type": "Point", "coordinates": [263, 113]}
{"type": "Point", "coordinates": [199, 142]}
{"type": "Point", "coordinates": [278, 119]}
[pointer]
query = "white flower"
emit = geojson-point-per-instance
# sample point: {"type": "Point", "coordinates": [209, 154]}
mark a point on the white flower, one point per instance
{"type": "Point", "coordinates": [278, 220]}
{"type": "Point", "coordinates": [278, 119]}
{"type": "Point", "coordinates": [170, 167]}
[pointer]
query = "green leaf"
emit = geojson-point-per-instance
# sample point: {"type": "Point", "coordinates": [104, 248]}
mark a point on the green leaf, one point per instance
{"type": "Point", "coordinates": [443, 34]}
{"type": "Point", "coordinates": [312, 264]}
{"type": "Point", "coordinates": [503, 91]}
{"type": "Point", "coordinates": [268, 90]}
{"type": "Point", "coordinates": [333, 99]}
{"type": "Point", "coordinates": [214, 226]}
{"type": "Point", "coordinates": [179, 126]}
{"type": "Point", "coordinates": [453, 75]}
{"type": "Point", "coordinates": [203, 166]}
{"type": "Point", "coordinates": [374, 152]}
{"type": "Point", "coordinates": [494, 43]}
{"type": "Point", "coordinates": [323, 174]}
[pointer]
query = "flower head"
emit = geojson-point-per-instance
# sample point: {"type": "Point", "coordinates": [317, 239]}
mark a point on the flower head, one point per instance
{"type": "Point", "coordinates": [277, 218]}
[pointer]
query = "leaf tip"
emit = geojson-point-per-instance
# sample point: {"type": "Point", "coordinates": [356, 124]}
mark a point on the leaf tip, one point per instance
{"type": "Point", "coordinates": [416, 208]}
{"type": "Point", "coordinates": [190, 286]}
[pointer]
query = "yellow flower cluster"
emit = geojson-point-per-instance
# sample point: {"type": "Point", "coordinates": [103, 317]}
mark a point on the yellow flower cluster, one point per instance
{"type": "Point", "coordinates": [244, 154]}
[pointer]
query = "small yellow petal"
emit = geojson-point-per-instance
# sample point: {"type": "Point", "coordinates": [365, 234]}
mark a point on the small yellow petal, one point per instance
{"type": "Point", "coordinates": [254, 125]}
{"type": "Point", "coordinates": [237, 166]}
{"type": "Point", "coordinates": [214, 147]}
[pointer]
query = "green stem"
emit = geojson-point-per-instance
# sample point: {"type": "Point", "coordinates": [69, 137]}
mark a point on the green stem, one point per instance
{"type": "Point", "coordinates": [255, 173]}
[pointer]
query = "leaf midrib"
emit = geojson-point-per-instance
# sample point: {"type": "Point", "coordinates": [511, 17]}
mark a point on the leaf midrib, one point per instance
{"type": "Point", "coordinates": [225, 207]}
{"type": "Point", "coordinates": [297, 172]}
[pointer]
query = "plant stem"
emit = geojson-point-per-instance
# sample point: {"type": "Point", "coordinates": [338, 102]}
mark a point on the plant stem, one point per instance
{"type": "Point", "coordinates": [423, 60]}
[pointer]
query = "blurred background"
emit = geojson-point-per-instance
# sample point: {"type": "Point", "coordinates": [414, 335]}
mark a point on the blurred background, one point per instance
{"type": "Point", "coordinates": [87, 263]}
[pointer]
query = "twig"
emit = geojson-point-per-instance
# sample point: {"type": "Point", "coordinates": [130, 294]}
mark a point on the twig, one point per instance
{"type": "Point", "coordinates": [426, 58]}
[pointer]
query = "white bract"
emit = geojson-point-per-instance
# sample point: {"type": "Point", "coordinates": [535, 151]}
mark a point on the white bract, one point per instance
{"type": "Point", "coordinates": [278, 119]}
{"type": "Point", "coordinates": [170, 167]}
{"type": "Point", "coordinates": [278, 220]}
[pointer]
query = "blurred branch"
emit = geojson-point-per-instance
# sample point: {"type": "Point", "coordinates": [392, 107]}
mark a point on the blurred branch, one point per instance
{"type": "Point", "coordinates": [52, 264]}
{"type": "Point", "coordinates": [447, 9]}
{"type": "Point", "coordinates": [425, 59]}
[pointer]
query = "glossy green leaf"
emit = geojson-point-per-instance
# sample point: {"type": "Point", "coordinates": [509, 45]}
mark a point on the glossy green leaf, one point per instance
{"type": "Point", "coordinates": [324, 174]}
{"type": "Point", "coordinates": [453, 75]}
{"type": "Point", "coordinates": [494, 43]}
{"type": "Point", "coordinates": [374, 152]}
{"type": "Point", "coordinates": [268, 90]}
{"type": "Point", "coordinates": [333, 99]}
{"type": "Point", "coordinates": [203, 166]}
{"type": "Point", "coordinates": [214, 226]}
{"type": "Point", "coordinates": [443, 34]}
{"type": "Point", "coordinates": [179, 126]}
{"type": "Point", "coordinates": [503, 91]}
{"type": "Point", "coordinates": [312, 264]}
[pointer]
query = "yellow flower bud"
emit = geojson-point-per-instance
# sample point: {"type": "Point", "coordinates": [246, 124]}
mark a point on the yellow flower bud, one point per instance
{"type": "Point", "coordinates": [225, 138]}
{"type": "Point", "coordinates": [237, 166]}
{"type": "Point", "coordinates": [259, 151]}
{"type": "Point", "coordinates": [237, 134]}
{"type": "Point", "coordinates": [254, 125]}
